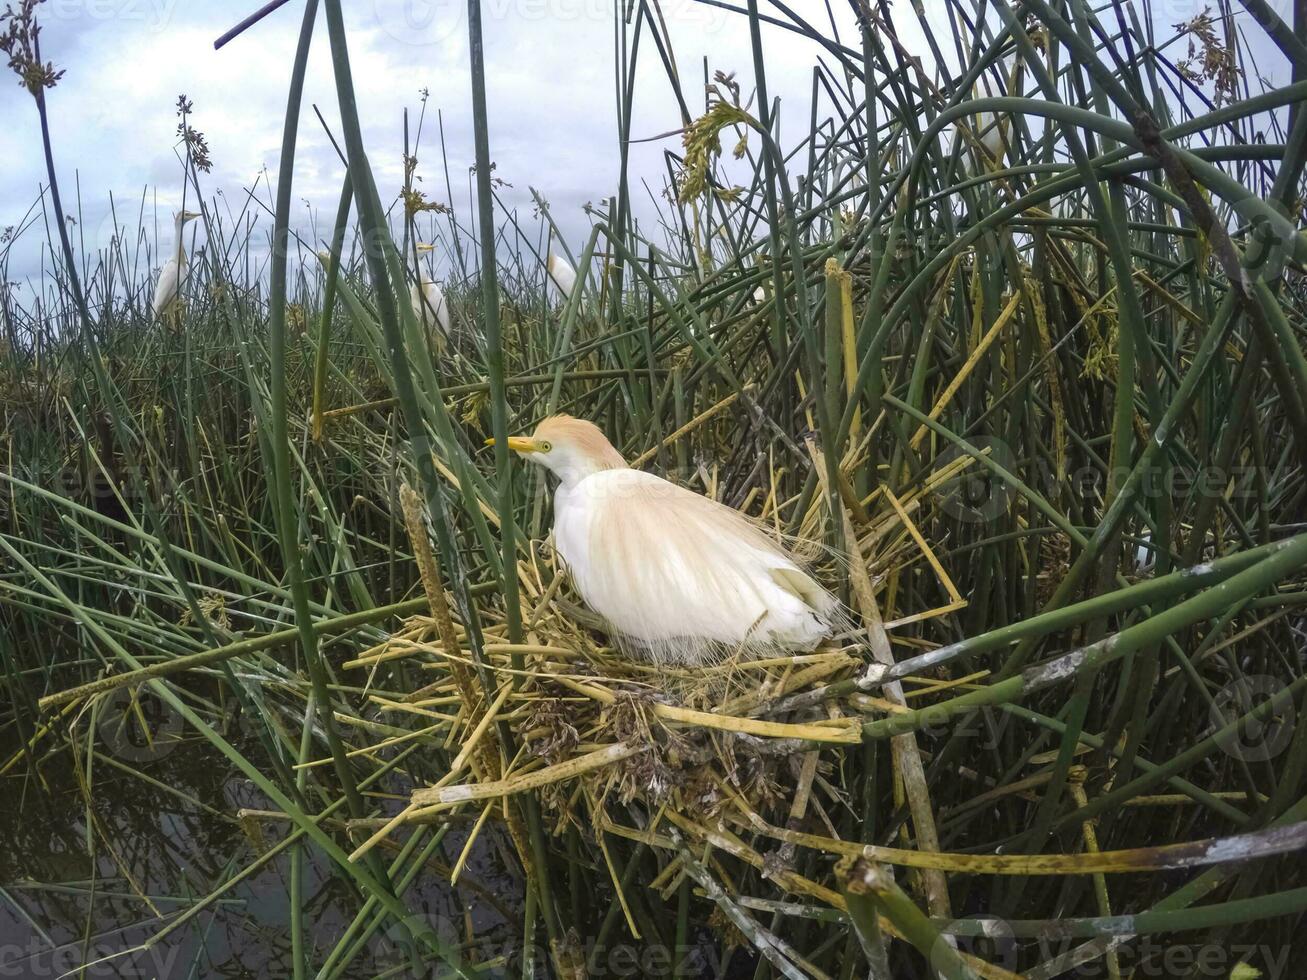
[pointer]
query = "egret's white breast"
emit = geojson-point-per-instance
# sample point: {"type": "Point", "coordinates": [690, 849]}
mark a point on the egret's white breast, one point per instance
{"type": "Point", "coordinates": [165, 290]}
{"type": "Point", "coordinates": [678, 571]}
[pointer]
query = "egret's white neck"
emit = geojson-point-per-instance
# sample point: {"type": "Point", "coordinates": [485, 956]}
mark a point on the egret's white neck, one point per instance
{"type": "Point", "coordinates": [179, 249]}
{"type": "Point", "coordinates": [572, 472]}
{"type": "Point", "coordinates": [572, 467]}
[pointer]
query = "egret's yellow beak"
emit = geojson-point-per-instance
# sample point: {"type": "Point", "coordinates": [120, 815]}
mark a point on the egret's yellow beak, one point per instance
{"type": "Point", "coordinates": [190, 215]}
{"type": "Point", "coordinates": [519, 444]}
{"type": "Point", "coordinates": [424, 247]}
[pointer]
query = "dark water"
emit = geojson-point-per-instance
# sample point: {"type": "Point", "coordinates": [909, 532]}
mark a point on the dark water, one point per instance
{"type": "Point", "coordinates": [72, 874]}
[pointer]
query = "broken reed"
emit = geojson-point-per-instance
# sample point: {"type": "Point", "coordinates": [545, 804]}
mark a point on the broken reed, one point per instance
{"type": "Point", "coordinates": [1046, 402]}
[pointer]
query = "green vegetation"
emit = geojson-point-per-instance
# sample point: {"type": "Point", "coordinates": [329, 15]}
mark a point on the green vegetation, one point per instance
{"type": "Point", "coordinates": [1016, 347]}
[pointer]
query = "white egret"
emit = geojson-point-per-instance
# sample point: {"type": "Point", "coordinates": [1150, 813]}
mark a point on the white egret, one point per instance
{"type": "Point", "coordinates": [1144, 557]}
{"type": "Point", "coordinates": [677, 576]}
{"type": "Point", "coordinates": [992, 130]}
{"type": "Point", "coordinates": [993, 136]}
{"type": "Point", "coordinates": [167, 289]}
{"type": "Point", "coordinates": [560, 272]}
{"type": "Point", "coordinates": [428, 299]}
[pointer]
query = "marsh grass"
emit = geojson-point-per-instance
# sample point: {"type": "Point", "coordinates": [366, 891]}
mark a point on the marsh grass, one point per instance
{"type": "Point", "coordinates": [1043, 397]}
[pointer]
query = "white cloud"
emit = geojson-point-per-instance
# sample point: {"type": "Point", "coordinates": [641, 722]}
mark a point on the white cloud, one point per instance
{"type": "Point", "coordinates": [550, 90]}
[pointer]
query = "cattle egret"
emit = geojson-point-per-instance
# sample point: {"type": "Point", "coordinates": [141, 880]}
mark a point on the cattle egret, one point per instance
{"type": "Point", "coordinates": [1144, 553]}
{"type": "Point", "coordinates": [428, 300]}
{"type": "Point", "coordinates": [992, 136]}
{"type": "Point", "coordinates": [561, 273]}
{"type": "Point", "coordinates": [167, 290]}
{"type": "Point", "coordinates": [678, 577]}
{"type": "Point", "coordinates": [429, 305]}
{"type": "Point", "coordinates": [991, 129]}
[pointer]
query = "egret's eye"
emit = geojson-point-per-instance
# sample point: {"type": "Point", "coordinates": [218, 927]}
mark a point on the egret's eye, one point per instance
{"type": "Point", "coordinates": [546, 446]}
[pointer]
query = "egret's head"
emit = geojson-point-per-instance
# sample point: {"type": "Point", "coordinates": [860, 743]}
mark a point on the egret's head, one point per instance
{"type": "Point", "coordinates": [572, 448]}
{"type": "Point", "coordinates": [181, 217]}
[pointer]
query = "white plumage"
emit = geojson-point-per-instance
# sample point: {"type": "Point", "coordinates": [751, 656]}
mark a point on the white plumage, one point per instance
{"type": "Point", "coordinates": [167, 288]}
{"type": "Point", "coordinates": [561, 273]}
{"type": "Point", "coordinates": [429, 305]}
{"type": "Point", "coordinates": [1144, 552]}
{"type": "Point", "coordinates": [992, 137]}
{"type": "Point", "coordinates": [428, 299]}
{"type": "Point", "coordinates": [678, 576]}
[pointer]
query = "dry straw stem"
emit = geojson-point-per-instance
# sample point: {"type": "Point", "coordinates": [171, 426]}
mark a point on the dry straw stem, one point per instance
{"type": "Point", "coordinates": [907, 755]}
{"type": "Point", "coordinates": [437, 798]}
{"type": "Point", "coordinates": [835, 731]}
{"type": "Point", "coordinates": [862, 878]}
{"type": "Point", "coordinates": [1090, 835]}
{"type": "Point", "coordinates": [705, 416]}
{"type": "Point", "coordinates": [1098, 338]}
{"type": "Point", "coordinates": [1165, 857]}
{"type": "Point", "coordinates": [973, 359]}
{"type": "Point", "coordinates": [268, 641]}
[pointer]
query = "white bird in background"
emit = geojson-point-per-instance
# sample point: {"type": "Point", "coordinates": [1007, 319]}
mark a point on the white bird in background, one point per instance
{"type": "Point", "coordinates": [560, 272]}
{"type": "Point", "coordinates": [992, 136]}
{"type": "Point", "coordinates": [1144, 552]}
{"type": "Point", "coordinates": [428, 300]}
{"type": "Point", "coordinates": [991, 129]}
{"type": "Point", "coordinates": [167, 290]}
{"type": "Point", "coordinates": [679, 577]}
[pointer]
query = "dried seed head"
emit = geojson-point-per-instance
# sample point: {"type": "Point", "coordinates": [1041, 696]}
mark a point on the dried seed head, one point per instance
{"type": "Point", "coordinates": [20, 40]}
{"type": "Point", "coordinates": [551, 736]}
{"type": "Point", "coordinates": [415, 201]}
{"type": "Point", "coordinates": [197, 148]}
{"type": "Point", "coordinates": [1209, 59]}
{"type": "Point", "coordinates": [702, 138]}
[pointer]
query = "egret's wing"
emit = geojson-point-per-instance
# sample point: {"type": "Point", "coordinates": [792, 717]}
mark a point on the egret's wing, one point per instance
{"type": "Point", "coordinates": [165, 290]}
{"type": "Point", "coordinates": [800, 585]}
{"type": "Point", "coordinates": [436, 297]}
{"type": "Point", "coordinates": [562, 273]}
{"type": "Point", "coordinates": [661, 562]}
{"type": "Point", "coordinates": [430, 300]}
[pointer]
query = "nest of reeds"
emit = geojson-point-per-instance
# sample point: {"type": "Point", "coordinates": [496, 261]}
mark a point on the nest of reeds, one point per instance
{"type": "Point", "coordinates": [687, 760]}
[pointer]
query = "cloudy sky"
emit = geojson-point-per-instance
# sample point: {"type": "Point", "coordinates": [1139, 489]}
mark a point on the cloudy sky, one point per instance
{"type": "Point", "coordinates": [550, 68]}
